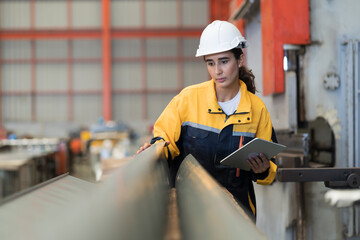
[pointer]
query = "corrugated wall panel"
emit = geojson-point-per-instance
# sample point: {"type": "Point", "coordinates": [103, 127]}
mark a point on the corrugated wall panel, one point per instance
{"type": "Point", "coordinates": [51, 49]}
{"type": "Point", "coordinates": [15, 49]}
{"type": "Point", "coordinates": [16, 108]}
{"type": "Point", "coordinates": [86, 14]}
{"type": "Point", "coordinates": [156, 103]}
{"type": "Point", "coordinates": [131, 67]}
{"type": "Point", "coordinates": [160, 13]}
{"type": "Point", "coordinates": [190, 46]}
{"type": "Point", "coordinates": [16, 77]}
{"type": "Point", "coordinates": [164, 47]}
{"type": "Point", "coordinates": [87, 76]}
{"type": "Point", "coordinates": [127, 107]}
{"type": "Point", "coordinates": [195, 72]}
{"type": "Point", "coordinates": [87, 109]}
{"type": "Point", "coordinates": [126, 75]}
{"type": "Point", "coordinates": [126, 47]}
{"type": "Point", "coordinates": [51, 108]}
{"type": "Point", "coordinates": [51, 14]}
{"type": "Point", "coordinates": [162, 75]}
{"type": "Point", "coordinates": [195, 13]}
{"type": "Point", "coordinates": [15, 14]}
{"type": "Point", "coordinates": [125, 13]}
{"type": "Point", "coordinates": [51, 76]}
{"type": "Point", "coordinates": [86, 48]}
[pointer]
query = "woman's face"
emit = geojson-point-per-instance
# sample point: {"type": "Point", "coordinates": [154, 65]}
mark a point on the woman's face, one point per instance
{"type": "Point", "coordinates": [224, 68]}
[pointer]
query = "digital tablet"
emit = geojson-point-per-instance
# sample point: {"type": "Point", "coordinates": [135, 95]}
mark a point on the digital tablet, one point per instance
{"type": "Point", "coordinates": [237, 159]}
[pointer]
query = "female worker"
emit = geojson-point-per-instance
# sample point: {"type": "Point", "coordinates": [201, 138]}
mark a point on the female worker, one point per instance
{"type": "Point", "coordinates": [212, 119]}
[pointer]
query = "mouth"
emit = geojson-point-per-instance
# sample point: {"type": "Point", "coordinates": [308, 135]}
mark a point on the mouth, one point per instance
{"type": "Point", "coordinates": [220, 80]}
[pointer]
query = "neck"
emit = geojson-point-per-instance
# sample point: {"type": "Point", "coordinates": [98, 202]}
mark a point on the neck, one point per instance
{"type": "Point", "coordinates": [228, 93]}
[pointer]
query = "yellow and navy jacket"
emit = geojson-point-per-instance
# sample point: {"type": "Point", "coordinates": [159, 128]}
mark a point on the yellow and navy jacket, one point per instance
{"type": "Point", "coordinates": [194, 123]}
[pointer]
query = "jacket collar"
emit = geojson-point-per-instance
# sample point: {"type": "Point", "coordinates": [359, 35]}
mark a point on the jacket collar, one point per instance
{"type": "Point", "coordinates": [244, 105]}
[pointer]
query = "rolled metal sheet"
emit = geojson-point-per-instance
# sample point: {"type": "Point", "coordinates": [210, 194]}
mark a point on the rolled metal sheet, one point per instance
{"type": "Point", "coordinates": [206, 211]}
{"type": "Point", "coordinates": [129, 204]}
{"type": "Point", "coordinates": [40, 212]}
{"type": "Point", "coordinates": [21, 169]}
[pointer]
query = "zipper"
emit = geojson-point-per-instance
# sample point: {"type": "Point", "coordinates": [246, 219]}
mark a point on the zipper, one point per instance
{"type": "Point", "coordinates": [216, 149]}
{"type": "Point", "coordinates": [226, 118]}
{"type": "Point", "coordinates": [240, 146]}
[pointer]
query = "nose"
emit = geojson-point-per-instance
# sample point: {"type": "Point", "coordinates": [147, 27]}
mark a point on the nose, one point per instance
{"type": "Point", "coordinates": [218, 69]}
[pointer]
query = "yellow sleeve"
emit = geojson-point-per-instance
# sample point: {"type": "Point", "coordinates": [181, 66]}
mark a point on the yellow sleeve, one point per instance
{"type": "Point", "coordinates": [168, 127]}
{"type": "Point", "coordinates": [264, 131]}
{"type": "Point", "coordinates": [270, 178]}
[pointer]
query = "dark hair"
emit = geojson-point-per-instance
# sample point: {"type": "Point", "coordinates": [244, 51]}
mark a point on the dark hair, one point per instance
{"type": "Point", "coordinates": [245, 74]}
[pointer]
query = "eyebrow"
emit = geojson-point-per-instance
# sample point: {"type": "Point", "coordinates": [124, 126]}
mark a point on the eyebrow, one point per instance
{"type": "Point", "coordinates": [223, 58]}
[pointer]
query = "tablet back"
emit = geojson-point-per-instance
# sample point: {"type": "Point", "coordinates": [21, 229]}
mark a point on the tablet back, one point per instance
{"type": "Point", "coordinates": [238, 158]}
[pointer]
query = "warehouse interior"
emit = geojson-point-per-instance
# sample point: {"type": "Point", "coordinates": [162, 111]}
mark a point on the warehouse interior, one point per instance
{"type": "Point", "coordinates": [82, 83]}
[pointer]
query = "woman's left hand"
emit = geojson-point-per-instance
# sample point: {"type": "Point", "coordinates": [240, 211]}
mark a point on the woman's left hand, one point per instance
{"type": "Point", "coordinates": [259, 164]}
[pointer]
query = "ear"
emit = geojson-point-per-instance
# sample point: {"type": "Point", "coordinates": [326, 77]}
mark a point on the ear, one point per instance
{"type": "Point", "coordinates": [240, 61]}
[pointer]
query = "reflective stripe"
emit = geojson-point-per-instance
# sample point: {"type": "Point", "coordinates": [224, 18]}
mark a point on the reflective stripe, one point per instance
{"type": "Point", "coordinates": [199, 126]}
{"type": "Point", "coordinates": [251, 205]}
{"type": "Point", "coordinates": [245, 134]}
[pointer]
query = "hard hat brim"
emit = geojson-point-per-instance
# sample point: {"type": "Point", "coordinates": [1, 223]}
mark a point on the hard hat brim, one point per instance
{"type": "Point", "coordinates": [201, 52]}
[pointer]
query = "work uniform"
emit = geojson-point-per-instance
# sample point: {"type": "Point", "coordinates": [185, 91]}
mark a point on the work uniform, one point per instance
{"type": "Point", "coordinates": [194, 123]}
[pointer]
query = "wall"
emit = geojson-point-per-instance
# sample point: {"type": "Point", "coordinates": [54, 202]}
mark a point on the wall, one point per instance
{"type": "Point", "coordinates": [331, 23]}
{"type": "Point", "coordinates": [52, 73]}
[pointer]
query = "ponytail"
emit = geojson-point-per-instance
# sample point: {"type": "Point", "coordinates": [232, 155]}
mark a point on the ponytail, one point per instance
{"type": "Point", "coordinates": [245, 74]}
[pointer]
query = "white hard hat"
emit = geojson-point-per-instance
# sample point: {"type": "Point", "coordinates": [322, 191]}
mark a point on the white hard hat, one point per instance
{"type": "Point", "coordinates": [220, 36]}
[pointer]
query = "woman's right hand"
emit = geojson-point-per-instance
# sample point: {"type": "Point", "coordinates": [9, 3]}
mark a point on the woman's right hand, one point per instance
{"type": "Point", "coordinates": [143, 147]}
{"type": "Point", "coordinates": [146, 145]}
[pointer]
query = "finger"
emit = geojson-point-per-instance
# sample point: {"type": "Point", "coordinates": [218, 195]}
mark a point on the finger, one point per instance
{"type": "Point", "coordinates": [140, 150]}
{"type": "Point", "coordinates": [143, 147]}
{"type": "Point", "coordinates": [253, 163]}
{"type": "Point", "coordinates": [258, 165]}
{"type": "Point", "coordinates": [263, 157]}
{"type": "Point", "coordinates": [265, 161]}
{"type": "Point", "coordinates": [257, 161]}
{"type": "Point", "coordinates": [250, 163]}
{"type": "Point", "coordinates": [167, 143]}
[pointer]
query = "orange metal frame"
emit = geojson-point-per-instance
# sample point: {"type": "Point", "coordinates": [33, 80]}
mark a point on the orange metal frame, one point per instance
{"type": "Point", "coordinates": [220, 9]}
{"type": "Point", "coordinates": [283, 22]}
{"type": "Point", "coordinates": [106, 34]}
{"type": "Point", "coordinates": [0, 70]}
{"type": "Point", "coordinates": [106, 60]}
{"type": "Point", "coordinates": [2, 131]}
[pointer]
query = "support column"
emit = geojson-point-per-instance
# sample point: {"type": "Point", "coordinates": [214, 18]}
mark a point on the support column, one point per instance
{"type": "Point", "coordinates": [106, 61]}
{"type": "Point", "coordinates": [2, 131]}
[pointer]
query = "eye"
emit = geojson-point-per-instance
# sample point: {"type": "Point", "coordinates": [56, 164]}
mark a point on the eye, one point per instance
{"type": "Point", "coordinates": [210, 63]}
{"type": "Point", "coordinates": [224, 61]}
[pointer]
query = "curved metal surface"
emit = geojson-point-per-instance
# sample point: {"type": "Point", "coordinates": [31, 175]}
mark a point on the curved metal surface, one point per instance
{"type": "Point", "coordinates": [129, 204]}
{"type": "Point", "coordinates": [206, 210]}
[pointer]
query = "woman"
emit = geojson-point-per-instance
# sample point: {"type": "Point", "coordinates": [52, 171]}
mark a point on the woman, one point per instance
{"type": "Point", "coordinates": [212, 119]}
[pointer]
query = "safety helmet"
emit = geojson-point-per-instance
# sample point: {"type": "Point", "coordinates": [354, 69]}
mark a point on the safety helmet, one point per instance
{"type": "Point", "coordinates": [220, 36]}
